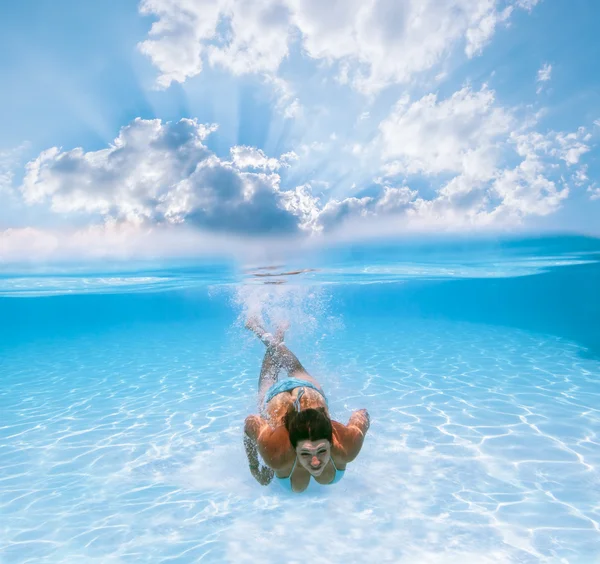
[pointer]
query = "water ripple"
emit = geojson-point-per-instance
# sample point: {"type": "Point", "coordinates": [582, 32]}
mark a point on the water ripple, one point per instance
{"type": "Point", "coordinates": [126, 447]}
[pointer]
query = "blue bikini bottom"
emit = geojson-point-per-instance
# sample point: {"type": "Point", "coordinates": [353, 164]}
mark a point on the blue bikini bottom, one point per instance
{"type": "Point", "coordinates": [288, 384]}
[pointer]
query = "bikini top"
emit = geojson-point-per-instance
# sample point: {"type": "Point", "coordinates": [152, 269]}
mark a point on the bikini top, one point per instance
{"type": "Point", "coordinates": [286, 483]}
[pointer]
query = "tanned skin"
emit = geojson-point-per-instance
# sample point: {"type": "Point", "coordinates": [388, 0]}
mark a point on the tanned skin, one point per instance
{"type": "Point", "coordinates": [266, 434]}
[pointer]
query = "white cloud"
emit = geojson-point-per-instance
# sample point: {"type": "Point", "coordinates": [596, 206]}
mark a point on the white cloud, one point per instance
{"type": "Point", "coordinates": [288, 157]}
{"type": "Point", "coordinates": [122, 239]}
{"type": "Point", "coordinates": [251, 157]}
{"type": "Point", "coordinates": [525, 190]}
{"type": "Point", "coordinates": [483, 28]}
{"type": "Point", "coordinates": [484, 166]}
{"type": "Point", "coordinates": [218, 197]}
{"type": "Point", "coordinates": [189, 32]}
{"type": "Point", "coordinates": [568, 147]}
{"type": "Point", "coordinates": [302, 203]}
{"type": "Point", "coordinates": [176, 45]}
{"type": "Point", "coordinates": [459, 134]}
{"type": "Point", "coordinates": [129, 179]}
{"type": "Point", "coordinates": [337, 214]}
{"type": "Point", "coordinates": [258, 36]}
{"type": "Point", "coordinates": [155, 172]}
{"type": "Point", "coordinates": [580, 177]}
{"type": "Point", "coordinates": [476, 141]}
{"type": "Point", "coordinates": [528, 189]}
{"type": "Point", "coordinates": [255, 39]}
{"type": "Point", "coordinates": [161, 174]}
{"type": "Point", "coordinates": [386, 41]}
{"type": "Point", "coordinates": [572, 146]}
{"type": "Point", "coordinates": [373, 44]}
{"type": "Point", "coordinates": [475, 162]}
{"type": "Point", "coordinates": [543, 75]}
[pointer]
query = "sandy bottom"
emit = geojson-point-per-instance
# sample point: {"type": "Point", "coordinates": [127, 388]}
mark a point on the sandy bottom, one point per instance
{"type": "Point", "coordinates": [127, 447]}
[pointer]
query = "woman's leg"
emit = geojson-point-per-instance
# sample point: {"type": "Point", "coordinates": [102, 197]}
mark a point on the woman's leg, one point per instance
{"type": "Point", "coordinates": [269, 374]}
{"type": "Point", "coordinates": [278, 355]}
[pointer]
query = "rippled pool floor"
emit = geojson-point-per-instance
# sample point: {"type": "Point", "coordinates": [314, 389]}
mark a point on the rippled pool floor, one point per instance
{"type": "Point", "coordinates": [126, 447]}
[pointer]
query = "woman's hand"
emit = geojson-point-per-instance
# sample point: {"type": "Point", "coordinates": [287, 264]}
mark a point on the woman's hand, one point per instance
{"type": "Point", "coordinates": [263, 475]}
{"type": "Point", "coordinates": [361, 419]}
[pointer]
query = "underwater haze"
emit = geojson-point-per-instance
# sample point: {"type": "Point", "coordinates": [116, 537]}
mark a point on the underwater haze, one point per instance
{"type": "Point", "coordinates": [124, 392]}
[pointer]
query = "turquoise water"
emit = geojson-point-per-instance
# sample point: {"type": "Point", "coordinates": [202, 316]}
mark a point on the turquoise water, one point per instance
{"type": "Point", "coordinates": [125, 387]}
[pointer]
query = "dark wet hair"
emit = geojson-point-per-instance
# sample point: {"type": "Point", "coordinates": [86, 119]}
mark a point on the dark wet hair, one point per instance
{"type": "Point", "coordinates": [308, 424]}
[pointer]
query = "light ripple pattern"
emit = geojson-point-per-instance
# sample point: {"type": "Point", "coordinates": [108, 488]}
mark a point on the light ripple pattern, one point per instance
{"type": "Point", "coordinates": [126, 447]}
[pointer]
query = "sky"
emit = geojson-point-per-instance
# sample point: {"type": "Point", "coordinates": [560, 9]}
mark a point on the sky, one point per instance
{"type": "Point", "coordinates": [163, 127]}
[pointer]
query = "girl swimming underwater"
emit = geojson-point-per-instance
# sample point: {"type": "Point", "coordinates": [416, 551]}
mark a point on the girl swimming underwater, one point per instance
{"type": "Point", "coordinates": [294, 433]}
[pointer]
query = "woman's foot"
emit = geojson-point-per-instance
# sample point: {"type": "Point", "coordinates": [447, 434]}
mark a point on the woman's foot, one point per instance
{"type": "Point", "coordinates": [280, 333]}
{"type": "Point", "coordinates": [255, 325]}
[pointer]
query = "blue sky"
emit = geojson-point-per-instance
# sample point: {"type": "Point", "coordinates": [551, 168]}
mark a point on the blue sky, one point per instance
{"type": "Point", "coordinates": [299, 121]}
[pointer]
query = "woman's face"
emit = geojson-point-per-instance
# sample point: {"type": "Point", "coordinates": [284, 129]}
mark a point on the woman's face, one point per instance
{"type": "Point", "coordinates": [314, 455]}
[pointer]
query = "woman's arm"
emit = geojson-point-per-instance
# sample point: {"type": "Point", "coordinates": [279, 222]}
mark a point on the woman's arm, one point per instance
{"type": "Point", "coordinates": [273, 444]}
{"type": "Point", "coordinates": [352, 436]}
{"type": "Point", "coordinates": [252, 427]}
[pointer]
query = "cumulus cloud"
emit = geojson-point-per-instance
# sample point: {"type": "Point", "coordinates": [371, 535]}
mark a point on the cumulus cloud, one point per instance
{"type": "Point", "coordinates": [568, 147]}
{"type": "Point", "coordinates": [161, 174]}
{"type": "Point", "coordinates": [483, 166]}
{"type": "Point", "coordinates": [385, 42]}
{"type": "Point", "coordinates": [337, 214]}
{"type": "Point", "coordinates": [525, 190]}
{"type": "Point", "coordinates": [476, 142]}
{"type": "Point", "coordinates": [432, 161]}
{"type": "Point", "coordinates": [176, 44]}
{"type": "Point", "coordinates": [572, 146]}
{"type": "Point", "coordinates": [129, 179]}
{"type": "Point", "coordinates": [371, 44]}
{"type": "Point", "coordinates": [251, 157]}
{"type": "Point", "coordinates": [158, 172]}
{"type": "Point", "coordinates": [580, 177]}
{"type": "Point", "coordinates": [219, 197]}
{"type": "Point", "coordinates": [459, 134]}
